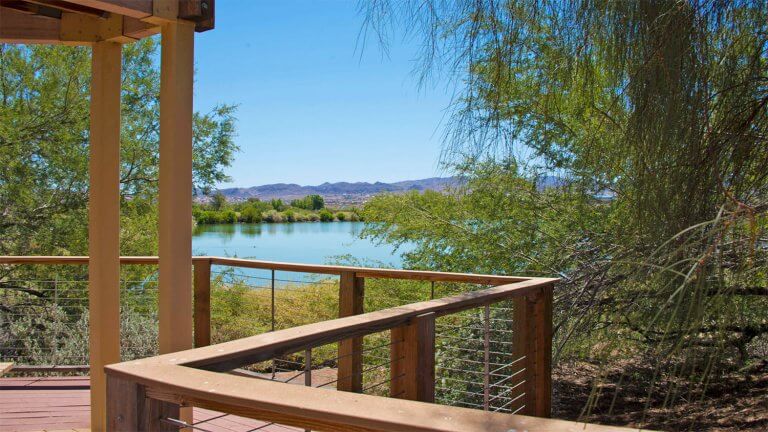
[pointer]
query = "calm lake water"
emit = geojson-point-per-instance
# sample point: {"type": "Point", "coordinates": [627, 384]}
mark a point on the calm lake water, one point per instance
{"type": "Point", "coordinates": [307, 242]}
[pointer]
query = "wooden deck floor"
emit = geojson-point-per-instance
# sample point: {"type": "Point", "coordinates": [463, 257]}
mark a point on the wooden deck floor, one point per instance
{"type": "Point", "coordinates": [62, 404]}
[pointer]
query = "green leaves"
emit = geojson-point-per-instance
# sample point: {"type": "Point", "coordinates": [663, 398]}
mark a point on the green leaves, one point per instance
{"type": "Point", "coordinates": [43, 146]}
{"type": "Point", "coordinates": [663, 107]}
{"type": "Point", "coordinates": [44, 120]}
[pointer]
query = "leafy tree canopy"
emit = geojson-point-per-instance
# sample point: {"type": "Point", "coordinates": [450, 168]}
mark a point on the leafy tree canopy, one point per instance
{"type": "Point", "coordinates": [44, 117]}
{"type": "Point", "coordinates": [309, 202]}
{"type": "Point", "coordinates": [662, 106]}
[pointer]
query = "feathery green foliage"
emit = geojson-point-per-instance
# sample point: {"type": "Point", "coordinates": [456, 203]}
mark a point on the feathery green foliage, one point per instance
{"type": "Point", "coordinates": [659, 106]}
{"type": "Point", "coordinates": [44, 112]}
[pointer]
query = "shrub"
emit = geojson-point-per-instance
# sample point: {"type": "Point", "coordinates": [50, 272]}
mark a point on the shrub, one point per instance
{"type": "Point", "coordinates": [250, 215]}
{"type": "Point", "coordinates": [326, 216]}
{"type": "Point", "coordinates": [313, 217]}
{"type": "Point", "coordinates": [209, 217]}
{"type": "Point", "coordinates": [229, 217]}
{"type": "Point", "coordinates": [290, 216]}
{"type": "Point", "coordinates": [341, 216]}
{"type": "Point", "coordinates": [272, 216]}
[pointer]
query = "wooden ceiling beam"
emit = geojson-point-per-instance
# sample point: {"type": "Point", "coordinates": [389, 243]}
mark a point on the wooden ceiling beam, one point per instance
{"type": "Point", "coordinates": [72, 29]}
{"type": "Point", "coordinates": [138, 29]}
{"type": "Point", "coordinates": [31, 8]}
{"type": "Point", "coordinates": [67, 6]}
{"type": "Point", "coordinates": [200, 12]}
{"type": "Point", "coordinates": [77, 27]}
{"type": "Point", "coordinates": [82, 22]}
{"type": "Point", "coordinates": [131, 8]}
{"type": "Point", "coordinates": [19, 27]}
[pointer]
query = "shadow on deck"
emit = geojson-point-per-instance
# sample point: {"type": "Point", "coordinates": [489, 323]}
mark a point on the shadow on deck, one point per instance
{"type": "Point", "coordinates": [63, 404]}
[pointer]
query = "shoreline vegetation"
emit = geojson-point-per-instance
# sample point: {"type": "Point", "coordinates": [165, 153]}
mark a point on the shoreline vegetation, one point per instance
{"type": "Point", "coordinates": [308, 209]}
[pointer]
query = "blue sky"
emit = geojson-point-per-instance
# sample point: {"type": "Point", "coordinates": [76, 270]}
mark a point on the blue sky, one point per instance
{"type": "Point", "coordinates": [312, 108]}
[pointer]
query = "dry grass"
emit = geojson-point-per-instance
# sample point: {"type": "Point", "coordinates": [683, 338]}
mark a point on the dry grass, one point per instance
{"type": "Point", "coordinates": [734, 402]}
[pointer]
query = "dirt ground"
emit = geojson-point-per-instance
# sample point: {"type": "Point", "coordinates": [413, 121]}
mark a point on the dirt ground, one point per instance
{"type": "Point", "coordinates": [736, 402]}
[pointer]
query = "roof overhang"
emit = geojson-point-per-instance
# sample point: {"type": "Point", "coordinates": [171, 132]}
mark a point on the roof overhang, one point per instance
{"type": "Point", "coordinates": [82, 22]}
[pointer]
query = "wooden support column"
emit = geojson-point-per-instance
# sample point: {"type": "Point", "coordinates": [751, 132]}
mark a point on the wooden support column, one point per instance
{"type": "Point", "coordinates": [104, 222]}
{"type": "Point", "coordinates": [412, 360]}
{"type": "Point", "coordinates": [175, 202]}
{"type": "Point", "coordinates": [351, 297]}
{"type": "Point", "coordinates": [533, 341]}
{"type": "Point", "coordinates": [202, 300]}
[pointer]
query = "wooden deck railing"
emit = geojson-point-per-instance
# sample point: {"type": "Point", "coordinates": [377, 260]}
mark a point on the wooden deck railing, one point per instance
{"type": "Point", "coordinates": [412, 329]}
{"type": "Point", "coordinates": [351, 283]}
{"type": "Point", "coordinates": [148, 394]}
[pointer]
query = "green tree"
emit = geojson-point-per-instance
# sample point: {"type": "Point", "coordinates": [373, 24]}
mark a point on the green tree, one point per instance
{"type": "Point", "coordinates": [218, 201]}
{"type": "Point", "coordinates": [250, 214]}
{"type": "Point", "coordinates": [277, 204]}
{"type": "Point", "coordinates": [309, 202]}
{"type": "Point", "coordinates": [44, 145]}
{"type": "Point", "coordinates": [316, 202]}
{"type": "Point", "coordinates": [229, 217]}
{"type": "Point", "coordinates": [662, 107]}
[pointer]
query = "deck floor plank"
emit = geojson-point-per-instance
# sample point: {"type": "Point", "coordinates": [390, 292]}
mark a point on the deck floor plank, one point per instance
{"type": "Point", "coordinates": [62, 404]}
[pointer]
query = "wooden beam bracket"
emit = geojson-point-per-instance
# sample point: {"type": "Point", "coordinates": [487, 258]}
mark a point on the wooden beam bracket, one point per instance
{"type": "Point", "coordinates": [77, 27]}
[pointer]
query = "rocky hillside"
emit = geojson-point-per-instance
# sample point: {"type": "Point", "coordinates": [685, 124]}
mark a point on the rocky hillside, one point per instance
{"type": "Point", "coordinates": [340, 193]}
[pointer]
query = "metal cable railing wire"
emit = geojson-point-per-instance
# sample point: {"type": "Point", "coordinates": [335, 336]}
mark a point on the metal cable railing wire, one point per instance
{"type": "Point", "coordinates": [475, 361]}
{"type": "Point", "coordinates": [44, 321]}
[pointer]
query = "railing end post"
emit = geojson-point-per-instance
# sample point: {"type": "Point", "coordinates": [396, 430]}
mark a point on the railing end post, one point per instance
{"type": "Point", "coordinates": [202, 301]}
{"type": "Point", "coordinates": [412, 354]}
{"type": "Point", "coordinates": [350, 363]}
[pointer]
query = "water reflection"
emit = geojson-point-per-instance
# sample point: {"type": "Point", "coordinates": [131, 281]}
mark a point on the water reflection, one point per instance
{"type": "Point", "coordinates": [250, 230]}
{"type": "Point", "coordinates": [305, 242]}
{"type": "Point", "coordinates": [225, 232]}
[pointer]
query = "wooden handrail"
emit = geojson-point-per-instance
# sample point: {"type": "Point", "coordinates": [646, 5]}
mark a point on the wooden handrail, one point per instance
{"type": "Point", "coordinates": [166, 387]}
{"type": "Point", "coordinates": [532, 296]}
{"type": "Point", "coordinates": [185, 378]}
{"type": "Point", "coordinates": [362, 272]}
{"type": "Point", "coordinates": [369, 272]}
{"type": "Point", "coordinates": [230, 355]}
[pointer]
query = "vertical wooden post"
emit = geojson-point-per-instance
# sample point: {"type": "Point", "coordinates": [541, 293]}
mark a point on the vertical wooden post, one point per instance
{"type": "Point", "coordinates": [129, 409]}
{"type": "Point", "coordinates": [533, 340]}
{"type": "Point", "coordinates": [202, 300]}
{"type": "Point", "coordinates": [521, 382]}
{"type": "Point", "coordinates": [486, 357]}
{"type": "Point", "coordinates": [104, 222]}
{"type": "Point", "coordinates": [542, 352]}
{"type": "Point", "coordinates": [123, 408]}
{"type": "Point", "coordinates": [412, 354]}
{"type": "Point", "coordinates": [351, 296]}
{"type": "Point", "coordinates": [175, 203]}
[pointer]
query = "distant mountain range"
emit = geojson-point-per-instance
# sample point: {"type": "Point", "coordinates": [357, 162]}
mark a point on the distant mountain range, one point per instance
{"type": "Point", "coordinates": [346, 193]}
{"type": "Point", "coordinates": [337, 193]}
